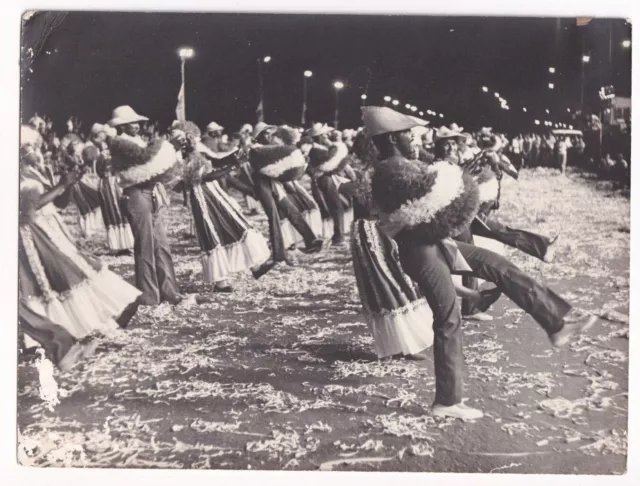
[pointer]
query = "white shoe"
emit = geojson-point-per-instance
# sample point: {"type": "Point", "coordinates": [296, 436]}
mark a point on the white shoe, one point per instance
{"type": "Point", "coordinates": [459, 410]}
{"type": "Point", "coordinates": [551, 251]}
{"type": "Point", "coordinates": [478, 316]}
{"type": "Point", "coordinates": [571, 329]}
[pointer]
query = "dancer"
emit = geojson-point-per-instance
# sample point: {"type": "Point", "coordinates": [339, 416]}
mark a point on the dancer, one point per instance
{"type": "Point", "coordinates": [119, 235]}
{"type": "Point", "coordinates": [141, 168]}
{"type": "Point", "coordinates": [423, 206]}
{"type": "Point", "coordinates": [326, 160]}
{"type": "Point", "coordinates": [84, 193]}
{"type": "Point", "coordinates": [271, 164]}
{"type": "Point", "coordinates": [398, 316]}
{"type": "Point", "coordinates": [56, 279]}
{"type": "Point", "coordinates": [228, 242]}
{"type": "Point", "coordinates": [297, 194]}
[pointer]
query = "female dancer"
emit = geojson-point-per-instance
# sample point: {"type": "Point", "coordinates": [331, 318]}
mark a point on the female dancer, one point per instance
{"type": "Point", "coordinates": [57, 280]}
{"type": "Point", "coordinates": [228, 242]}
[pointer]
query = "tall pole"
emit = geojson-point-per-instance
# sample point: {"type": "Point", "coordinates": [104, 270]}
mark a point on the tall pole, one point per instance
{"type": "Point", "coordinates": [303, 119]}
{"type": "Point", "coordinates": [184, 87]}
{"type": "Point", "coordinates": [337, 108]}
{"type": "Point", "coordinates": [260, 83]}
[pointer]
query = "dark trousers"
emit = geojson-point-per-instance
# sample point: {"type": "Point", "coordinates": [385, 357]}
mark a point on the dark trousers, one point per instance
{"type": "Point", "coordinates": [155, 276]}
{"type": "Point", "coordinates": [334, 204]}
{"type": "Point", "coordinates": [426, 265]}
{"type": "Point", "coordinates": [265, 194]}
{"type": "Point", "coordinates": [469, 280]}
{"type": "Point", "coordinates": [240, 186]}
{"type": "Point", "coordinates": [530, 243]}
{"type": "Point", "coordinates": [54, 339]}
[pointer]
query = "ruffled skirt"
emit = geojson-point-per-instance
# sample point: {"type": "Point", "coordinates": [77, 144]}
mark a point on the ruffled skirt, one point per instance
{"type": "Point", "coordinates": [119, 235]}
{"type": "Point", "coordinates": [86, 197]}
{"type": "Point", "coordinates": [228, 242]}
{"type": "Point", "coordinates": [70, 287]}
{"type": "Point", "coordinates": [399, 318]}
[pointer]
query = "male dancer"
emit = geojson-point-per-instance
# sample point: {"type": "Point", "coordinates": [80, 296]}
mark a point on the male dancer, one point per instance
{"type": "Point", "coordinates": [426, 205]}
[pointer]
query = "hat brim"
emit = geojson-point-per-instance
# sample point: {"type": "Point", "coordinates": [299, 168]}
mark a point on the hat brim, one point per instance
{"type": "Point", "coordinates": [458, 137]}
{"type": "Point", "coordinates": [125, 121]}
{"type": "Point", "coordinates": [263, 129]}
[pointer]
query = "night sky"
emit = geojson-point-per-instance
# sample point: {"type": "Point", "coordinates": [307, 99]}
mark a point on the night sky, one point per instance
{"type": "Point", "coordinates": [98, 61]}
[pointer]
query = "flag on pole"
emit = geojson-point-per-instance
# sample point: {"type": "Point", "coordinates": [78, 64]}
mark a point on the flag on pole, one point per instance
{"type": "Point", "coordinates": [180, 107]}
{"type": "Point", "coordinates": [260, 112]}
{"type": "Point", "coordinates": [582, 21]}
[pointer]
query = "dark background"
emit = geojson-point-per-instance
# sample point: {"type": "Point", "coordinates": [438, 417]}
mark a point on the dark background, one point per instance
{"type": "Point", "coordinates": [86, 64]}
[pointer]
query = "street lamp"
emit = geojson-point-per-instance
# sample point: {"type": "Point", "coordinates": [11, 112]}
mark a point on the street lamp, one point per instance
{"type": "Point", "coordinates": [184, 53]}
{"type": "Point", "coordinates": [537, 122]}
{"type": "Point", "coordinates": [387, 99]}
{"type": "Point", "coordinates": [485, 89]}
{"type": "Point", "coordinates": [407, 106]}
{"type": "Point", "coordinates": [496, 94]}
{"type": "Point", "coordinates": [441, 115]}
{"type": "Point", "coordinates": [421, 113]}
{"type": "Point", "coordinates": [395, 102]}
{"type": "Point", "coordinates": [551, 85]}
{"type": "Point", "coordinates": [524, 109]}
{"type": "Point", "coordinates": [338, 85]}
{"type": "Point", "coordinates": [585, 59]}
{"type": "Point", "coordinates": [259, 61]}
{"type": "Point", "coordinates": [307, 75]}
{"type": "Point", "coordinates": [547, 111]}
{"type": "Point", "coordinates": [552, 69]}
{"type": "Point", "coordinates": [363, 97]}
{"type": "Point", "coordinates": [414, 108]}
{"type": "Point", "coordinates": [626, 43]}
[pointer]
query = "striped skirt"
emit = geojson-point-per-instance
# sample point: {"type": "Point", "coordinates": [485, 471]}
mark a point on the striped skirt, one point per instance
{"type": "Point", "coordinates": [399, 318]}
{"type": "Point", "coordinates": [228, 242]}
{"type": "Point", "coordinates": [119, 235]}
{"type": "Point", "coordinates": [86, 198]}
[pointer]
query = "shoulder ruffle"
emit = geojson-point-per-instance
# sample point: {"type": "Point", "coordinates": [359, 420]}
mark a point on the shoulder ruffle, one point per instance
{"type": "Point", "coordinates": [135, 165]}
{"type": "Point", "coordinates": [281, 162]}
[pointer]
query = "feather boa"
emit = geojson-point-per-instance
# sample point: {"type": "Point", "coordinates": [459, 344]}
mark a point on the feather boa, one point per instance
{"type": "Point", "coordinates": [158, 162]}
{"type": "Point", "coordinates": [284, 163]}
{"type": "Point", "coordinates": [327, 160]}
{"type": "Point", "coordinates": [195, 166]}
{"type": "Point", "coordinates": [430, 202]}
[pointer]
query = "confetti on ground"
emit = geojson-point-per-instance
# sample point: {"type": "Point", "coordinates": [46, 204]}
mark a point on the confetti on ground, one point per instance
{"type": "Point", "coordinates": [282, 373]}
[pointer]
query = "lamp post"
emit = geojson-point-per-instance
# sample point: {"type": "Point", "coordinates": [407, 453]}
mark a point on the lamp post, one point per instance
{"type": "Point", "coordinates": [338, 85]}
{"type": "Point", "coordinates": [184, 53]}
{"type": "Point", "coordinates": [585, 59]}
{"type": "Point", "coordinates": [307, 75]}
{"type": "Point", "coordinates": [387, 99]}
{"type": "Point", "coordinates": [259, 61]}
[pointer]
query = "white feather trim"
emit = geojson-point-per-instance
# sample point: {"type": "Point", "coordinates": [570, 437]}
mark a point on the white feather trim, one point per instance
{"type": "Point", "coordinates": [292, 161]}
{"type": "Point", "coordinates": [488, 191]}
{"type": "Point", "coordinates": [334, 161]}
{"type": "Point", "coordinates": [159, 164]}
{"type": "Point", "coordinates": [447, 187]}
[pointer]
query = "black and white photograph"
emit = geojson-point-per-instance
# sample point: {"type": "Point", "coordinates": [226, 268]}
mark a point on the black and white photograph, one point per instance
{"type": "Point", "coordinates": [323, 242]}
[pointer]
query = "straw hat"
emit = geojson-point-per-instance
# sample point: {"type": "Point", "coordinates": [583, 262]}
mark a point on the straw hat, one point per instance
{"type": "Point", "coordinates": [97, 128]}
{"type": "Point", "coordinates": [319, 129]}
{"type": "Point", "coordinates": [444, 133]}
{"type": "Point", "coordinates": [380, 119]}
{"type": "Point", "coordinates": [124, 115]}
{"type": "Point", "coordinates": [214, 127]}
{"type": "Point", "coordinates": [261, 127]}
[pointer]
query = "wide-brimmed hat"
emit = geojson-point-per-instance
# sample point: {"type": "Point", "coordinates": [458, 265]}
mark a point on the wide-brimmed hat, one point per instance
{"type": "Point", "coordinates": [319, 129]}
{"type": "Point", "coordinates": [213, 127]}
{"type": "Point", "coordinates": [380, 119]}
{"type": "Point", "coordinates": [456, 128]}
{"type": "Point", "coordinates": [123, 115]}
{"type": "Point", "coordinates": [444, 133]}
{"type": "Point", "coordinates": [97, 128]}
{"type": "Point", "coordinates": [261, 127]}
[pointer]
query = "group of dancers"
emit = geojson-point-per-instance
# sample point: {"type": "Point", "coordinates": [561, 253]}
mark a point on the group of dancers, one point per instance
{"type": "Point", "coordinates": [415, 208]}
